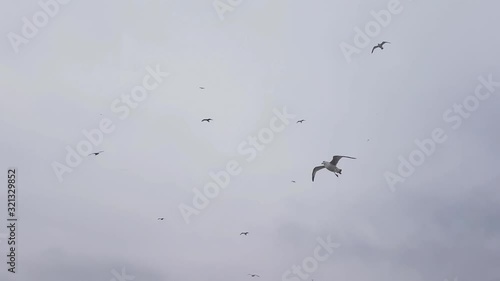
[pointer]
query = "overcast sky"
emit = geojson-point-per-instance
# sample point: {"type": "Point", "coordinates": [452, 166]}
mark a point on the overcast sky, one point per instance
{"type": "Point", "coordinates": [442, 222]}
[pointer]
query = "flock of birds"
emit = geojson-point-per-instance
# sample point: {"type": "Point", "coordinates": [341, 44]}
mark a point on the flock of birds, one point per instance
{"type": "Point", "coordinates": [330, 166]}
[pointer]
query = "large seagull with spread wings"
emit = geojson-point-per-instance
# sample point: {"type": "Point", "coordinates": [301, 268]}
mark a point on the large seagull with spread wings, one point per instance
{"type": "Point", "coordinates": [331, 166]}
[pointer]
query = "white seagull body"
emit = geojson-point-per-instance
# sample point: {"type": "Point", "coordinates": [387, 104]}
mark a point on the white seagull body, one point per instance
{"type": "Point", "coordinates": [330, 166]}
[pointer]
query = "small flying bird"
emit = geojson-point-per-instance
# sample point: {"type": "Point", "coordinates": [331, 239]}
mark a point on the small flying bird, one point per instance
{"type": "Point", "coordinates": [300, 121]}
{"type": "Point", "coordinates": [244, 233]}
{"type": "Point", "coordinates": [293, 181]}
{"type": "Point", "coordinates": [207, 119]}
{"type": "Point", "coordinates": [254, 275]}
{"type": "Point", "coordinates": [381, 46]}
{"type": "Point", "coordinates": [96, 153]}
{"type": "Point", "coordinates": [331, 166]}
{"type": "Point", "coordinates": [202, 88]}
{"type": "Point", "coordinates": [160, 219]}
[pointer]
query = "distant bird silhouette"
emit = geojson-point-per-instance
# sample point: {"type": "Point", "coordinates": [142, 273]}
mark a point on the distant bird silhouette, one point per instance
{"type": "Point", "coordinates": [300, 121]}
{"type": "Point", "coordinates": [293, 181]}
{"type": "Point", "coordinates": [254, 275]}
{"type": "Point", "coordinates": [160, 219]}
{"type": "Point", "coordinates": [381, 46]}
{"type": "Point", "coordinates": [202, 88]}
{"type": "Point", "coordinates": [244, 233]}
{"type": "Point", "coordinates": [207, 119]}
{"type": "Point", "coordinates": [96, 153]}
{"type": "Point", "coordinates": [330, 166]}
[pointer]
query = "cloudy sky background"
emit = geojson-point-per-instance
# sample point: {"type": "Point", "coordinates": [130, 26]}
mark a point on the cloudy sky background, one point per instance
{"type": "Point", "coordinates": [442, 222]}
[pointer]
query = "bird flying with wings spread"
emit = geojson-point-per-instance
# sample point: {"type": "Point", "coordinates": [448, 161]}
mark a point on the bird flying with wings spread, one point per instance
{"type": "Point", "coordinates": [381, 46]}
{"type": "Point", "coordinates": [330, 166]}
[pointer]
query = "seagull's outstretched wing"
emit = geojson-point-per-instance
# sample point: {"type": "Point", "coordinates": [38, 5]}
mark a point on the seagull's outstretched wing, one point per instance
{"type": "Point", "coordinates": [336, 159]}
{"type": "Point", "coordinates": [385, 43]}
{"type": "Point", "coordinates": [317, 169]}
{"type": "Point", "coordinates": [374, 48]}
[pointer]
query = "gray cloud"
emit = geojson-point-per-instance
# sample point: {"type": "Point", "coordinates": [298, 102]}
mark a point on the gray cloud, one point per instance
{"type": "Point", "coordinates": [441, 223]}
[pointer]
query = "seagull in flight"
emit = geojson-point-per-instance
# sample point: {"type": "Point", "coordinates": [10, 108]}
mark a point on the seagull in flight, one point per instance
{"type": "Point", "coordinates": [207, 119]}
{"type": "Point", "coordinates": [96, 153]}
{"type": "Point", "coordinates": [254, 275]}
{"type": "Point", "coordinates": [203, 88]}
{"type": "Point", "coordinates": [160, 219]}
{"type": "Point", "coordinates": [244, 233]}
{"type": "Point", "coordinates": [331, 166]}
{"type": "Point", "coordinates": [293, 181]}
{"type": "Point", "coordinates": [381, 46]}
{"type": "Point", "coordinates": [300, 121]}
